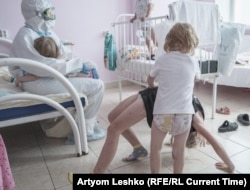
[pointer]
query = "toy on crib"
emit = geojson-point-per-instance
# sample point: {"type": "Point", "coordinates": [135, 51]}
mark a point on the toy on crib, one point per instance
{"type": "Point", "coordinates": [129, 54]}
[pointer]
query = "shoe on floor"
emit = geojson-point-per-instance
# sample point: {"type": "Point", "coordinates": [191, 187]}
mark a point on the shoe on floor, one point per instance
{"type": "Point", "coordinates": [99, 133]}
{"type": "Point", "coordinates": [244, 119]}
{"type": "Point", "coordinates": [140, 152]}
{"type": "Point", "coordinates": [223, 110]}
{"type": "Point", "coordinates": [228, 126]}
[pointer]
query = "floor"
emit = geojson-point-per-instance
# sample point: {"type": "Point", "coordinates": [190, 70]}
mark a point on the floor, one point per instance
{"type": "Point", "coordinates": [42, 163]}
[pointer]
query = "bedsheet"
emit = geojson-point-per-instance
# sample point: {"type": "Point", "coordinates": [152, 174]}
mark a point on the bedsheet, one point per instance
{"type": "Point", "coordinates": [22, 108]}
{"type": "Point", "coordinates": [11, 89]}
{"type": "Point", "coordinates": [240, 77]}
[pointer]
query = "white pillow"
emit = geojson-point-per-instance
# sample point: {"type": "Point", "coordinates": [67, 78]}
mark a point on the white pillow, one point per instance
{"type": "Point", "coordinates": [161, 31]}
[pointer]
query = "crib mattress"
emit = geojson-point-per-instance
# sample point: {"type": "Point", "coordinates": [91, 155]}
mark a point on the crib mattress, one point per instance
{"type": "Point", "coordinates": [140, 66]}
{"type": "Point", "coordinates": [143, 67]}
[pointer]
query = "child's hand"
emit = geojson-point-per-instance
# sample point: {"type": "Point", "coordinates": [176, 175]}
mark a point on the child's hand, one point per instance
{"type": "Point", "coordinates": [132, 20]}
{"type": "Point", "coordinates": [150, 81]}
{"type": "Point", "coordinates": [18, 83]}
{"type": "Point", "coordinates": [142, 19]}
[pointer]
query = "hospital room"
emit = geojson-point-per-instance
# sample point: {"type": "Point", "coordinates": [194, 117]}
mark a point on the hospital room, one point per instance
{"type": "Point", "coordinates": [87, 107]}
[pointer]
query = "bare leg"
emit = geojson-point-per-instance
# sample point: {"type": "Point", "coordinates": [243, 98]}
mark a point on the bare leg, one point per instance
{"type": "Point", "coordinates": [179, 151]}
{"type": "Point", "coordinates": [148, 43]}
{"type": "Point", "coordinates": [128, 134]}
{"type": "Point", "coordinates": [157, 138]}
{"type": "Point", "coordinates": [128, 117]}
{"type": "Point", "coordinates": [227, 164]}
{"type": "Point", "coordinates": [154, 38]}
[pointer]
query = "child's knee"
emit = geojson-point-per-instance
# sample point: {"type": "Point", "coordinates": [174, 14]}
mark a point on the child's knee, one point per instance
{"type": "Point", "coordinates": [178, 154]}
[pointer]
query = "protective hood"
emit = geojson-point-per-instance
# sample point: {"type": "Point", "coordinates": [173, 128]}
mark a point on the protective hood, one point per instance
{"type": "Point", "coordinates": [38, 15]}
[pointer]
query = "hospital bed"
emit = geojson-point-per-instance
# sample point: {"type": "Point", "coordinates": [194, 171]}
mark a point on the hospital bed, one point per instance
{"type": "Point", "coordinates": [240, 74]}
{"type": "Point", "coordinates": [18, 107]}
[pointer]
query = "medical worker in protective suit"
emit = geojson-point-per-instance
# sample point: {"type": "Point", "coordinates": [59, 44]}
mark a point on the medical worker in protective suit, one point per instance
{"type": "Point", "coordinates": [39, 21]}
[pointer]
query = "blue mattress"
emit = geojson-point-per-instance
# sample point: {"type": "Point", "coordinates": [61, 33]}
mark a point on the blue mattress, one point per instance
{"type": "Point", "coordinates": [18, 112]}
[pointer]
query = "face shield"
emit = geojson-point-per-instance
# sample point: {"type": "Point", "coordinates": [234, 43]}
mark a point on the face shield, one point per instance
{"type": "Point", "coordinates": [39, 15]}
{"type": "Point", "coordinates": [47, 14]}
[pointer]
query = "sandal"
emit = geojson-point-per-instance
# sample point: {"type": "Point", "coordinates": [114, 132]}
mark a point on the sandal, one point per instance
{"type": "Point", "coordinates": [244, 119]}
{"type": "Point", "coordinates": [223, 110]}
{"type": "Point", "coordinates": [140, 152]}
{"type": "Point", "coordinates": [228, 126]}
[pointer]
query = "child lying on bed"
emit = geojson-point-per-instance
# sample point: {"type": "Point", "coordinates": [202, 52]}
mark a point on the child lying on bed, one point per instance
{"type": "Point", "coordinates": [47, 47]}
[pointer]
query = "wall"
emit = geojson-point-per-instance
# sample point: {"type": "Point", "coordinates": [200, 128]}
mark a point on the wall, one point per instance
{"type": "Point", "coordinates": [81, 22]}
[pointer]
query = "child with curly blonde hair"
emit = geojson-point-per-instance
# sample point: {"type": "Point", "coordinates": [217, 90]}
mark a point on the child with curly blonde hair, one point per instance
{"type": "Point", "coordinates": [176, 71]}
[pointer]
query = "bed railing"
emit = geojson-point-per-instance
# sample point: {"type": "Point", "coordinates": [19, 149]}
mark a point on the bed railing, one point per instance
{"type": "Point", "coordinates": [77, 124]}
{"type": "Point", "coordinates": [135, 67]}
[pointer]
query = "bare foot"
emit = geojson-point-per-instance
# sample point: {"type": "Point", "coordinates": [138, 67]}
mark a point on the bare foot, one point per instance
{"type": "Point", "coordinates": [224, 167]}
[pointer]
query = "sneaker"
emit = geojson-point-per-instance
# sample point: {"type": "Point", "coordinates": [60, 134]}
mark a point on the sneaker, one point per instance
{"type": "Point", "coordinates": [153, 57]}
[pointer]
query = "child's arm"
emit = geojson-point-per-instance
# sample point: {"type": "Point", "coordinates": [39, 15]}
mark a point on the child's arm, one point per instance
{"type": "Point", "coordinates": [133, 18]}
{"type": "Point", "coordinates": [26, 78]}
{"type": "Point", "coordinates": [150, 81]}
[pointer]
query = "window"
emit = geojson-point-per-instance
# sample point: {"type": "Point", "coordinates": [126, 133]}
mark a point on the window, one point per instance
{"type": "Point", "coordinates": [234, 10]}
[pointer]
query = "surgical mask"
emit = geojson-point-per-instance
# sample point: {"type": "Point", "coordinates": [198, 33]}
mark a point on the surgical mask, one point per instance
{"type": "Point", "coordinates": [47, 14]}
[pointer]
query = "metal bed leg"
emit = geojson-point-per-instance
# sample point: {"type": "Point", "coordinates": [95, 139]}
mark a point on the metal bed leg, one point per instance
{"type": "Point", "coordinates": [214, 96]}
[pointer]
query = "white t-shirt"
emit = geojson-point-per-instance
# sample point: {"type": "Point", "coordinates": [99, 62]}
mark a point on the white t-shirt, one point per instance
{"type": "Point", "coordinates": [175, 74]}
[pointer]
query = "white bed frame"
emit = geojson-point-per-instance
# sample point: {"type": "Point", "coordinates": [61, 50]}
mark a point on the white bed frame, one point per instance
{"type": "Point", "coordinates": [125, 35]}
{"type": "Point", "coordinates": [77, 124]}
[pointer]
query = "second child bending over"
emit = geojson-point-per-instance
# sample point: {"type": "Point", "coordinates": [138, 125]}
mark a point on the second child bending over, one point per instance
{"type": "Point", "coordinates": [176, 71]}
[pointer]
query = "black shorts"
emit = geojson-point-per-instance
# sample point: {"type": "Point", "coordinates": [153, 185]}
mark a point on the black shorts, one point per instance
{"type": "Point", "coordinates": [148, 96]}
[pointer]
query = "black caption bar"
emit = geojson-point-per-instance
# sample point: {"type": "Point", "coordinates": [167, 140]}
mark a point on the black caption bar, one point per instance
{"type": "Point", "coordinates": [160, 181]}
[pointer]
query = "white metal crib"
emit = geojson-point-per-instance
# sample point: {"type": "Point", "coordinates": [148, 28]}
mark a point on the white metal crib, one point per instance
{"type": "Point", "coordinates": [135, 67]}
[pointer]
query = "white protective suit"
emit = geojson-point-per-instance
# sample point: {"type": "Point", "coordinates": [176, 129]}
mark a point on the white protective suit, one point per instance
{"type": "Point", "coordinates": [36, 25]}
